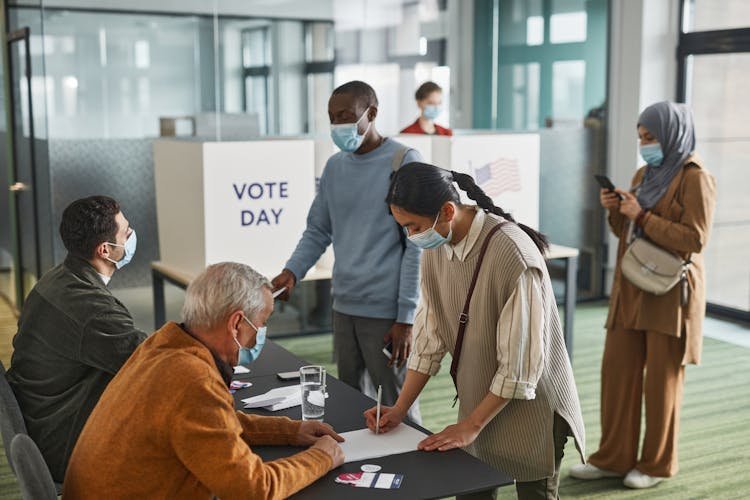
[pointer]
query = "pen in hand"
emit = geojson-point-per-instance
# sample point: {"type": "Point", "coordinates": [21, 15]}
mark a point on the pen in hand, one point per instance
{"type": "Point", "coordinates": [377, 412]}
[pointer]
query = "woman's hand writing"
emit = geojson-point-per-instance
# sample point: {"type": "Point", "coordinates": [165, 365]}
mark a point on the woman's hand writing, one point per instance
{"type": "Point", "coordinates": [390, 417]}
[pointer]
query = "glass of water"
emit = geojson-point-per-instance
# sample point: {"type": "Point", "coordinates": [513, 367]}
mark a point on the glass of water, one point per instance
{"type": "Point", "coordinates": [313, 384]}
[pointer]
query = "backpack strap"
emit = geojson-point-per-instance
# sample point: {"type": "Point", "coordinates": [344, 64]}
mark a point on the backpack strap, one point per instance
{"type": "Point", "coordinates": [398, 159]}
{"type": "Point", "coordinates": [464, 317]}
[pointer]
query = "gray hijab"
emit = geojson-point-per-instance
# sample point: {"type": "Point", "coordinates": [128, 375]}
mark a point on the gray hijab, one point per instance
{"type": "Point", "coordinates": [672, 125]}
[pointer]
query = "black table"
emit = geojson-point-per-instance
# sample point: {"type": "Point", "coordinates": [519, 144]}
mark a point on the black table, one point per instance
{"type": "Point", "coordinates": [426, 474]}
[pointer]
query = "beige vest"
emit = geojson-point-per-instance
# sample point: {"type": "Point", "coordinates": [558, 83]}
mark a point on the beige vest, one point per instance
{"type": "Point", "coordinates": [519, 439]}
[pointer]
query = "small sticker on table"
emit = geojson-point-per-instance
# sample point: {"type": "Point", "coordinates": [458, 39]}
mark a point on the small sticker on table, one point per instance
{"type": "Point", "coordinates": [370, 468]}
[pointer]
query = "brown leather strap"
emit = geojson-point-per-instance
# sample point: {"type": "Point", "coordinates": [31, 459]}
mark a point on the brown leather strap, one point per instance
{"type": "Point", "coordinates": [464, 317]}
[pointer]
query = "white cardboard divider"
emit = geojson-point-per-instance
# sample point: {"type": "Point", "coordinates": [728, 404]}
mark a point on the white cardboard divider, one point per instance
{"type": "Point", "coordinates": [505, 166]}
{"type": "Point", "coordinates": [238, 201]}
{"type": "Point", "coordinates": [248, 201]}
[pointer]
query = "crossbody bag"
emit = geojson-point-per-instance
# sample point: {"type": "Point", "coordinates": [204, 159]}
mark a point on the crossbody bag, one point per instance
{"type": "Point", "coordinates": [652, 268]}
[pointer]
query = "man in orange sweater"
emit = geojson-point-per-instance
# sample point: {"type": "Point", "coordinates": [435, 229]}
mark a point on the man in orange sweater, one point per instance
{"type": "Point", "coordinates": [166, 427]}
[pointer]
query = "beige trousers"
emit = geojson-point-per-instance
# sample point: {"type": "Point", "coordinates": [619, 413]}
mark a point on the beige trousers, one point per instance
{"type": "Point", "coordinates": [635, 363]}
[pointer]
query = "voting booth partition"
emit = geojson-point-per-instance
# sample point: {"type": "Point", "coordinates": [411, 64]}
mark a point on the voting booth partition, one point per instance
{"type": "Point", "coordinates": [247, 201]}
{"type": "Point", "coordinates": [505, 166]}
{"type": "Point", "coordinates": [238, 201]}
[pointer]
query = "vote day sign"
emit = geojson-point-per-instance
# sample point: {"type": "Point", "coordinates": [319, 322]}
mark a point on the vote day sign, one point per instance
{"type": "Point", "coordinates": [232, 201]}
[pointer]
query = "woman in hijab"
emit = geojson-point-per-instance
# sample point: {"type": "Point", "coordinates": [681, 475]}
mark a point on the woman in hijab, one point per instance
{"type": "Point", "coordinates": [671, 204]}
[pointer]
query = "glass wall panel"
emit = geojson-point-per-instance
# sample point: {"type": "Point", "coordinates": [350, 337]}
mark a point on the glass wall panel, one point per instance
{"type": "Point", "coordinates": [718, 86]}
{"type": "Point", "coordinates": [567, 91]}
{"type": "Point", "coordinates": [112, 75]}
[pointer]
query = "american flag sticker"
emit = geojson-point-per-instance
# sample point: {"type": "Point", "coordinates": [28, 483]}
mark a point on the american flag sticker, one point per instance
{"type": "Point", "coordinates": [499, 176]}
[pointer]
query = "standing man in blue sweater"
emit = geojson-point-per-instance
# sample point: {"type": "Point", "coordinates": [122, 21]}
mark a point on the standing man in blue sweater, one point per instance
{"type": "Point", "coordinates": [376, 273]}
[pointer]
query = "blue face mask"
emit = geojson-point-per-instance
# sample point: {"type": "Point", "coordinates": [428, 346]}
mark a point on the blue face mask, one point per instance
{"type": "Point", "coordinates": [431, 112]}
{"type": "Point", "coordinates": [129, 247]}
{"type": "Point", "coordinates": [346, 135]}
{"type": "Point", "coordinates": [249, 354]}
{"type": "Point", "coordinates": [652, 154]}
{"type": "Point", "coordinates": [431, 238]}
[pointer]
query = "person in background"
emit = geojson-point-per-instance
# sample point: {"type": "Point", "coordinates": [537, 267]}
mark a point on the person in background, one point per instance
{"type": "Point", "coordinates": [166, 426]}
{"type": "Point", "coordinates": [517, 396]}
{"type": "Point", "coordinates": [73, 334]}
{"type": "Point", "coordinates": [429, 98]}
{"type": "Point", "coordinates": [671, 203]}
{"type": "Point", "coordinates": [376, 274]}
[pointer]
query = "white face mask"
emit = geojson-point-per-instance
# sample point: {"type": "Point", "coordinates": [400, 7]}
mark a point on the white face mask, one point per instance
{"type": "Point", "coordinates": [431, 238]}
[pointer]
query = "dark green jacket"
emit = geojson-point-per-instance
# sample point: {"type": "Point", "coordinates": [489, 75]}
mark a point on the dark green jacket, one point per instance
{"type": "Point", "coordinates": [73, 336]}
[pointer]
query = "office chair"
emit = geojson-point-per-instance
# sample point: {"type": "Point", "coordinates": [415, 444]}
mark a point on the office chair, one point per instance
{"type": "Point", "coordinates": [11, 419]}
{"type": "Point", "coordinates": [34, 478]}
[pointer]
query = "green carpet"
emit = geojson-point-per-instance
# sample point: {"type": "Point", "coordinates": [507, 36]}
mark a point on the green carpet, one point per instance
{"type": "Point", "coordinates": [715, 431]}
{"type": "Point", "coordinates": [714, 437]}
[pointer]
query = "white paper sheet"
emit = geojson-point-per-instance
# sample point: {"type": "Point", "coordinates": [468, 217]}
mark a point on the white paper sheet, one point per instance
{"type": "Point", "coordinates": [239, 370]}
{"type": "Point", "coordinates": [276, 399]}
{"type": "Point", "coordinates": [365, 444]}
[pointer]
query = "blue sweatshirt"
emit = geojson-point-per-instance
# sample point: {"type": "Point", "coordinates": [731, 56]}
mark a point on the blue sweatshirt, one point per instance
{"type": "Point", "coordinates": [372, 276]}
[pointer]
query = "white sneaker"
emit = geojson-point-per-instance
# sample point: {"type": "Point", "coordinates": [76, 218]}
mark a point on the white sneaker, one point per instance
{"type": "Point", "coordinates": [638, 480]}
{"type": "Point", "coordinates": [588, 471]}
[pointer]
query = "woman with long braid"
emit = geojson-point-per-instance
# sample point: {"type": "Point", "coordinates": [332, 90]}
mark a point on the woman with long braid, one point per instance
{"type": "Point", "coordinates": [517, 397]}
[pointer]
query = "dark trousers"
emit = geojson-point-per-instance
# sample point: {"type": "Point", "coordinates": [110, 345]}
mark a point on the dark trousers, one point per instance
{"type": "Point", "coordinates": [541, 489]}
{"type": "Point", "coordinates": [358, 345]}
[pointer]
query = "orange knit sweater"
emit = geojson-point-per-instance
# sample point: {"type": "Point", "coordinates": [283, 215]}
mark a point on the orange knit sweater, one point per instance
{"type": "Point", "coordinates": [166, 427]}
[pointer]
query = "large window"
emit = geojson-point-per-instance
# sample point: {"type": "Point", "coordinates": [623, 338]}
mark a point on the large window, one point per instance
{"type": "Point", "coordinates": [714, 62]}
{"type": "Point", "coordinates": [538, 62]}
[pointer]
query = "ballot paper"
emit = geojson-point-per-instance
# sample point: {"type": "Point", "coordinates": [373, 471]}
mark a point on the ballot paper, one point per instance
{"type": "Point", "coordinates": [239, 370]}
{"type": "Point", "coordinates": [276, 399]}
{"type": "Point", "coordinates": [365, 444]}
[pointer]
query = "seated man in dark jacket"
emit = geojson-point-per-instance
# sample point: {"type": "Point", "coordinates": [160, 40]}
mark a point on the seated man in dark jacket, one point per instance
{"type": "Point", "coordinates": [73, 334]}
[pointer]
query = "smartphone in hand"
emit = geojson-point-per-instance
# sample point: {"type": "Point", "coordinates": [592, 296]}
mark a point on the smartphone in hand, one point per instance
{"type": "Point", "coordinates": [388, 350]}
{"type": "Point", "coordinates": [605, 183]}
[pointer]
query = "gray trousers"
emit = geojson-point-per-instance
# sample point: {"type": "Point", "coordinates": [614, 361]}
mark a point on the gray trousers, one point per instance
{"type": "Point", "coordinates": [358, 347]}
{"type": "Point", "coordinates": [541, 489]}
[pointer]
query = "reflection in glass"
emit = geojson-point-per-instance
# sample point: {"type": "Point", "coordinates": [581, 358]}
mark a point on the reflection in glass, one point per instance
{"type": "Point", "coordinates": [256, 95]}
{"type": "Point", "coordinates": [256, 47]}
{"type": "Point", "coordinates": [567, 90]}
{"type": "Point", "coordinates": [319, 44]}
{"type": "Point", "coordinates": [525, 95]}
{"type": "Point", "coordinates": [521, 22]}
{"type": "Point", "coordinates": [568, 21]}
{"type": "Point", "coordinates": [568, 27]}
{"type": "Point", "coordinates": [708, 15]}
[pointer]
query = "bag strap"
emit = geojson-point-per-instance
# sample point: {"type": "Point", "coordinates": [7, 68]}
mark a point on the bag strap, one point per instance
{"type": "Point", "coordinates": [464, 317]}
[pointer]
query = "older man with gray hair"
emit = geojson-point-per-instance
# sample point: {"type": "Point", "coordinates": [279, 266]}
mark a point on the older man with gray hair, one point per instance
{"type": "Point", "coordinates": [166, 426]}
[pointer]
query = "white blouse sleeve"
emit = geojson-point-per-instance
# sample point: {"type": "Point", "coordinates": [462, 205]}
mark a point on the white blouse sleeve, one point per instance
{"type": "Point", "coordinates": [520, 340]}
{"type": "Point", "coordinates": [428, 349]}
